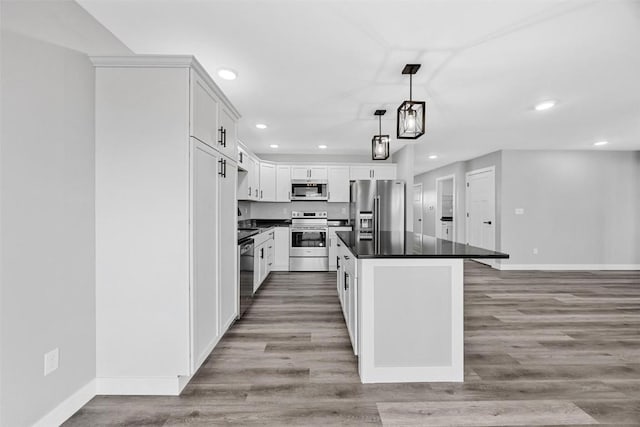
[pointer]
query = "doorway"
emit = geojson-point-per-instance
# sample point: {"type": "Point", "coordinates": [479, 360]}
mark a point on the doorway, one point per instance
{"type": "Point", "coordinates": [481, 208]}
{"type": "Point", "coordinates": [417, 209]}
{"type": "Point", "coordinates": [446, 207]}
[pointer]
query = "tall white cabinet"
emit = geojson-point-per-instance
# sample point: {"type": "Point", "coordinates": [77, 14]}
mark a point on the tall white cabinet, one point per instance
{"type": "Point", "coordinates": [165, 203]}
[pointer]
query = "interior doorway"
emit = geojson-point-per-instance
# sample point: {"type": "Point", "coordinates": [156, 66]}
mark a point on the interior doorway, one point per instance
{"type": "Point", "coordinates": [417, 209]}
{"type": "Point", "coordinates": [446, 207]}
{"type": "Point", "coordinates": [481, 208]}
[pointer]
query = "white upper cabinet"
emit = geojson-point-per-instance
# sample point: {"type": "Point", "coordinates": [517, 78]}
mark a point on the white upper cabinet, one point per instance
{"type": "Point", "coordinates": [227, 133]}
{"type": "Point", "coordinates": [384, 172]}
{"type": "Point", "coordinates": [309, 173]}
{"type": "Point", "coordinates": [242, 159]}
{"type": "Point", "coordinates": [387, 171]}
{"type": "Point", "coordinates": [204, 111]}
{"type": "Point", "coordinates": [267, 182]}
{"type": "Point", "coordinates": [338, 184]}
{"type": "Point", "coordinates": [283, 183]}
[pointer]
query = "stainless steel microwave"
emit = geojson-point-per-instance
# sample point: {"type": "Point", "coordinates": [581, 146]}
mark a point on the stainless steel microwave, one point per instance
{"type": "Point", "coordinates": [309, 190]}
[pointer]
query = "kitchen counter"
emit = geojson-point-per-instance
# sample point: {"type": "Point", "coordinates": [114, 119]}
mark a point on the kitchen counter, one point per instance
{"type": "Point", "coordinates": [412, 245]}
{"type": "Point", "coordinates": [402, 296]}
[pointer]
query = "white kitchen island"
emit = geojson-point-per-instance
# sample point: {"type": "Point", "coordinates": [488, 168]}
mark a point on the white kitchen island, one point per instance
{"type": "Point", "coordinates": [403, 300]}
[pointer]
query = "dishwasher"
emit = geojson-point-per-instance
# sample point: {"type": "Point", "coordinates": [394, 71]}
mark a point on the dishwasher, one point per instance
{"type": "Point", "coordinates": [245, 275]}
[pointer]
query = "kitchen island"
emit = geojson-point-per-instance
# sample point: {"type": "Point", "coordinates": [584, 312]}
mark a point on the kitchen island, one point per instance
{"type": "Point", "coordinates": [403, 301]}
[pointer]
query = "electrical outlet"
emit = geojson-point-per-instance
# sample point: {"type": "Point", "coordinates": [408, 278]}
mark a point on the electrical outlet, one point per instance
{"type": "Point", "coordinates": [344, 210]}
{"type": "Point", "coordinates": [535, 251]}
{"type": "Point", "coordinates": [51, 361]}
{"type": "Point", "coordinates": [519, 211]}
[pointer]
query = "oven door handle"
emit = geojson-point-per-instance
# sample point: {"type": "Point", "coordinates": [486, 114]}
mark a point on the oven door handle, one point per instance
{"type": "Point", "coordinates": [298, 230]}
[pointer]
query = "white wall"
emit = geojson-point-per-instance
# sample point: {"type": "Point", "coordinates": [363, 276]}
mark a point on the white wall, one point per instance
{"type": "Point", "coordinates": [580, 207]}
{"type": "Point", "coordinates": [404, 160]}
{"type": "Point", "coordinates": [458, 169]}
{"type": "Point", "coordinates": [47, 259]}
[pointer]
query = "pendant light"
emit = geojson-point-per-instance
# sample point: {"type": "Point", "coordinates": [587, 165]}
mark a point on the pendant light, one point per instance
{"type": "Point", "coordinates": [380, 143]}
{"type": "Point", "coordinates": [411, 123]}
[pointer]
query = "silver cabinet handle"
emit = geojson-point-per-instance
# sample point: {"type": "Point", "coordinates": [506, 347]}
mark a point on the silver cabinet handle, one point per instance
{"type": "Point", "coordinates": [256, 192]}
{"type": "Point", "coordinates": [329, 195]}
{"type": "Point", "coordinates": [346, 257]}
{"type": "Point", "coordinates": [261, 194]}
{"type": "Point", "coordinates": [346, 281]}
{"type": "Point", "coordinates": [249, 191]}
{"type": "Point", "coordinates": [289, 195]}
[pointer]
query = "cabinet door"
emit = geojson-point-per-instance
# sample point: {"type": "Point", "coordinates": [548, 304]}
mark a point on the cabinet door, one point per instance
{"type": "Point", "coordinates": [204, 302]}
{"type": "Point", "coordinates": [283, 183]}
{"type": "Point", "coordinates": [242, 159]}
{"type": "Point", "coordinates": [270, 253]}
{"type": "Point", "coordinates": [227, 135]}
{"type": "Point", "coordinates": [253, 169]}
{"type": "Point", "coordinates": [281, 249]}
{"type": "Point", "coordinates": [318, 172]}
{"type": "Point", "coordinates": [258, 266]}
{"type": "Point", "coordinates": [332, 241]}
{"type": "Point", "coordinates": [352, 309]}
{"type": "Point", "coordinates": [228, 208]}
{"type": "Point", "coordinates": [360, 172]}
{"type": "Point", "coordinates": [267, 182]}
{"type": "Point", "coordinates": [384, 172]}
{"type": "Point", "coordinates": [300, 172]}
{"type": "Point", "coordinates": [204, 111]}
{"type": "Point", "coordinates": [338, 186]}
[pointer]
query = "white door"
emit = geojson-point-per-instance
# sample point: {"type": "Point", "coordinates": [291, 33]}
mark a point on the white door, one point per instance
{"type": "Point", "coordinates": [267, 182]}
{"type": "Point", "coordinates": [338, 184]}
{"type": "Point", "coordinates": [318, 172]}
{"type": "Point", "coordinates": [204, 111]}
{"type": "Point", "coordinates": [227, 130]}
{"type": "Point", "coordinates": [228, 257]}
{"type": "Point", "coordinates": [481, 208]}
{"type": "Point", "coordinates": [300, 172]}
{"type": "Point", "coordinates": [417, 209]}
{"type": "Point", "coordinates": [360, 172]}
{"type": "Point", "coordinates": [205, 237]}
{"type": "Point", "coordinates": [283, 184]}
{"type": "Point", "coordinates": [384, 172]}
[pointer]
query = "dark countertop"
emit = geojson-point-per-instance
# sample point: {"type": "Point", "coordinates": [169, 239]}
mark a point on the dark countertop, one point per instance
{"type": "Point", "coordinates": [263, 223]}
{"type": "Point", "coordinates": [412, 245]}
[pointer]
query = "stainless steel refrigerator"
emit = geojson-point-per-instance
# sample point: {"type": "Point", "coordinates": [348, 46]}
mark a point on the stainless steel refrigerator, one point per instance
{"type": "Point", "coordinates": [377, 206]}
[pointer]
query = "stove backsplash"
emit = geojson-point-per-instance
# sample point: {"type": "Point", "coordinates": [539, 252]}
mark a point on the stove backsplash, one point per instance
{"type": "Point", "coordinates": [268, 210]}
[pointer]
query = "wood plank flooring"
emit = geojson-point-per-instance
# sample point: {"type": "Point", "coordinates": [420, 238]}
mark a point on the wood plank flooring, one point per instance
{"type": "Point", "coordinates": [541, 348]}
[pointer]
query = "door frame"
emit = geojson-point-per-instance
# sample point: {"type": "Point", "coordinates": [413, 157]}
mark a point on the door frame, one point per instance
{"type": "Point", "coordinates": [438, 226]}
{"type": "Point", "coordinates": [421, 219]}
{"type": "Point", "coordinates": [491, 169]}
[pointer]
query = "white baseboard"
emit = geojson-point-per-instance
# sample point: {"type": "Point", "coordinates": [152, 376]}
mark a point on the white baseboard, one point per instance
{"type": "Point", "coordinates": [568, 267]}
{"type": "Point", "coordinates": [156, 386]}
{"type": "Point", "coordinates": [69, 406]}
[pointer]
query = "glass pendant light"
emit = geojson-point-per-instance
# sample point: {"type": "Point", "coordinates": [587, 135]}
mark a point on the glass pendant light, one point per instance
{"type": "Point", "coordinates": [380, 143]}
{"type": "Point", "coordinates": [411, 123]}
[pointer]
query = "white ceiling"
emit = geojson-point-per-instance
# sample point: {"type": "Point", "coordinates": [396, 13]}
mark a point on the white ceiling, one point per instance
{"type": "Point", "coordinates": [314, 71]}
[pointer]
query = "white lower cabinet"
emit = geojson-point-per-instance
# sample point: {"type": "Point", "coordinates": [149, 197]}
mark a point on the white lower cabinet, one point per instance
{"type": "Point", "coordinates": [282, 235]}
{"type": "Point", "coordinates": [165, 284]}
{"type": "Point", "coordinates": [263, 255]}
{"type": "Point", "coordinates": [347, 287]}
{"type": "Point", "coordinates": [333, 246]}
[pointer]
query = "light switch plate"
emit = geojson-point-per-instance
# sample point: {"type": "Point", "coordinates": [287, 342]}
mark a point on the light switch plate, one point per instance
{"type": "Point", "coordinates": [519, 211]}
{"type": "Point", "coordinates": [51, 361]}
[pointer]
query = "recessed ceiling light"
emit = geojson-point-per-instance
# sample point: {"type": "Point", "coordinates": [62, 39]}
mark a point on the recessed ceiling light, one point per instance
{"type": "Point", "coordinates": [227, 74]}
{"type": "Point", "coordinates": [601, 143]}
{"type": "Point", "coordinates": [545, 105]}
{"type": "Point", "coordinates": [274, 146]}
{"type": "Point", "coordinates": [322, 147]}
{"type": "Point", "coordinates": [261, 126]}
{"type": "Point", "coordinates": [433, 156]}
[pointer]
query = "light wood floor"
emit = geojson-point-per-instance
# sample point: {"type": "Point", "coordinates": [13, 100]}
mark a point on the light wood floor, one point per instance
{"type": "Point", "coordinates": [541, 348]}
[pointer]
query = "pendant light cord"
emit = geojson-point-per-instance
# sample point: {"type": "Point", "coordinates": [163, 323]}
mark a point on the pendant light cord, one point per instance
{"type": "Point", "coordinates": [380, 127]}
{"type": "Point", "coordinates": [410, 87]}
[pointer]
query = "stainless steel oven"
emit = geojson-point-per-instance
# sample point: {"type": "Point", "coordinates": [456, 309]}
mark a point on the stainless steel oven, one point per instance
{"type": "Point", "coordinates": [308, 249]}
